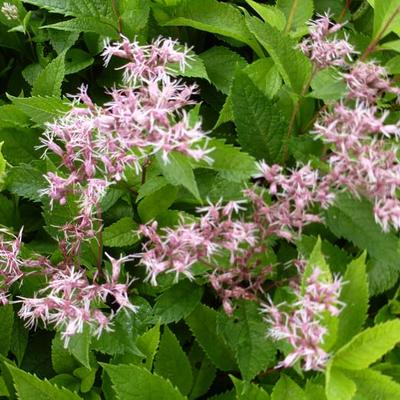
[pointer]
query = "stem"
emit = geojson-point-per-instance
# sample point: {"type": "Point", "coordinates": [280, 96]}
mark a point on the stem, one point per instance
{"type": "Point", "coordinates": [115, 9]}
{"type": "Point", "coordinates": [372, 46]}
{"type": "Point", "coordinates": [291, 15]}
{"type": "Point", "coordinates": [345, 8]}
{"type": "Point", "coordinates": [144, 170]}
{"type": "Point", "coordinates": [295, 111]}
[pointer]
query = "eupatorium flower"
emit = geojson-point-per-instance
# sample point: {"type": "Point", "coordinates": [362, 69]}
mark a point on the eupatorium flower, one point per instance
{"type": "Point", "coordinates": [321, 50]}
{"type": "Point", "coordinates": [301, 323]}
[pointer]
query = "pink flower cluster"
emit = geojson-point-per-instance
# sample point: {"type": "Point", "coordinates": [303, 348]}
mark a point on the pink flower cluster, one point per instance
{"type": "Point", "coordinates": [96, 145]}
{"type": "Point", "coordinates": [69, 301]}
{"type": "Point", "coordinates": [322, 51]}
{"type": "Point", "coordinates": [302, 325]}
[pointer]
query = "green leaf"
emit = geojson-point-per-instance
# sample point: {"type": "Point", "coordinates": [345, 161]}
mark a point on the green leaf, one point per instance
{"type": "Point", "coordinates": [95, 8]}
{"type": "Point", "coordinates": [215, 17]}
{"type": "Point", "coordinates": [286, 389]}
{"type": "Point", "coordinates": [26, 181]}
{"type": "Point", "coordinates": [294, 66]}
{"type": "Point", "coordinates": [41, 109]}
{"type": "Point", "coordinates": [372, 385]}
{"type": "Point", "coordinates": [245, 332]}
{"type": "Point", "coordinates": [203, 324]}
{"type": "Point", "coordinates": [6, 323]}
{"type": "Point", "coordinates": [121, 233]}
{"type": "Point", "coordinates": [178, 171]}
{"type": "Point", "coordinates": [19, 144]}
{"type": "Point", "coordinates": [368, 346]}
{"type": "Point", "coordinates": [195, 69]}
{"type": "Point", "coordinates": [97, 25]}
{"type": "Point", "coordinates": [48, 82]}
{"type": "Point", "coordinates": [297, 12]}
{"type": "Point", "coordinates": [7, 212]}
{"type": "Point", "coordinates": [19, 339]}
{"type": "Point", "coordinates": [76, 60]}
{"type": "Point", "coordinates": [246, 390]}
{"type": "Point", "coordinates": [172, 362]}
{"type": "Point", "coordinates": [79, 346]}
{"type": "Point", "coordinates": [355, 297]}
{"type": "Point", "coordinates": [221, 63]}
{"type": "Point", "coordinates": [169, 306]}
{"type": "Point", "coordinates": [327, 85]}
{"type": "Point", "coordinates": [62, 41]}
{"type": "Point", "coordinates": [148, 344]}
{"type": "Point", "coordinates": [338, 385]}
{"type": "Point", "coordinates": [134, 16]}
{"type": "Point", "coordinates": [150, 186]}
{"type": "Point", "coordinates": [132, 382]}
{"type": "Point", "coordinates": [384, 22]}
{"type": "Point", "coordinates": [353, 220]}
{"type": "Point", "coordinates": [61, 359]}
{"type": "Point", "coordinates": [270, 14]}
{"type": "Point", "coordinates": [30, 387]}
{"type": "Point", "coordinates": [260, 125]}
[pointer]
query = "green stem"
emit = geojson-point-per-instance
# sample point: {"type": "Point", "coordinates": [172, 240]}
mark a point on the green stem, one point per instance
{"type": "Point", "coordinates": [291, 15]}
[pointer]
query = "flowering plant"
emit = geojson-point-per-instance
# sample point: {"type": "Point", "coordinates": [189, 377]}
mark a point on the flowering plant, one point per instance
{"type": "Point", "coordinates": [199, 199]}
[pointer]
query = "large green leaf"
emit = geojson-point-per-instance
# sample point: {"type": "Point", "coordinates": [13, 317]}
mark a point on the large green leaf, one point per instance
{"type": "Point", "coordinates": [30, 387]}
{"type": "Point", "coordinates": [245, 332]}
{"type": "Point", "coordinates": [215, 17]}
{"type": "Point", "coordinates": [121, 233]}
{"type": "Point", "coordinates": [6, 323]}
{"type": "Point", "coordinates": [79, 346]}
{"type": "Point", "coordinates": [260, 125]}
{"type": "Point", "coordinates": [355, 297]}
{"type": "Point", "coordinates": [172, 362]}
{"type": "Point", "coordinates": [221, 63]}
{"type": "Point", "coordinates": [270, 14]}
{"type": "Point", "coordinates": [41, 109]}
{"type": "Point", "coordinates": [203, 324]}
{"type": "Point", "coordinates": [132, 382]}
{"type": "Point", "coordinates": [386, 17]}
{"type": "Point", "coordinates": [294, 66]}
{"type": "Point", "coordinates": [169, 306]}
{"type": "Point", "coordinates": [338, 385]}
{"type": "Point", "coordinates": [368, 346]}
{"type": "Point", "coordinates": [61, 359]}
{"type": "Point", "coordinates": [353, 220]}
{"type": "Point", "coordinates": [48, 82]}
{"type": "Point", "coordinates": [178, 171]}
{"type": "Point", "coordinates": [76, 8]}
{"type": "Point", "coordinates": [297, 12]}
{"type": "Point", "coordinates": [247, 390]}
{"type": "Point", "coordinates": [286, 389]}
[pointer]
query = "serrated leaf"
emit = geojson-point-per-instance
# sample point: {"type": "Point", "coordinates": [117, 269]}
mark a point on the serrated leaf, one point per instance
{"type": "Point", "coordinates": [30, 387]}
{"type": "Point", "coordinates": [48, 82]}
{"type": "Point", "coordinates": [79, 346]}
{"type": "Point", "coordinates": [97, 25]}
{"type": "Point", "coordinates": [270, 14]}
{"type": "Point", "coordinates": [62, 41]}
{"type": "Point", "coordinates": [148, 344]}
{"type": "Point", "coordinates": [19, 339]}
{"type": "Point", "coordinates": [178, 171]}
{"type": "Point", "coordinates": [121, 233]}
{"type": "Point", "coordinates": [247, 390]}
{"type": "Point", "coordinates": [297, 12]}
{"type": "Point", "coordinates": [353, 220]}
{"type": "Point", "coordinates": [338, 385]}
{"type": "Point", "coordinates": [61, 359]}
{"type": "Point", "coordinates": [372, 385]}
{"type": "Point", "coordinates": [327, 85]}
{"type": "Point", "coordinates": [215, 17]}
{"type": "Point", "coordinates": [26, 181]}
{"type": "Point", "coordinates": [355, 297]}
{"type": "Point", "coordinates": [150, 186]}
{"type": "Point", "coordinates": [221, 63]}
{"type": "Point", "coordinates": [203, 323]}
{"type": "Point", "coordinates": [172, 363]}
{"type": "Point", "coordinates": [157, 202]}
{"type": "Point", "coordinates": [384, 22]}
{"type": "Point", "coordinates": [95, 8]}
{"type": "Point", "coordinates": [294, 67]}
{"type": "Point", "coordinates": [286, 389]}
{"type": "Point", "coordinates": [260, 125]}
{"type": "Point", "coordinates": [368, 346]}
{"type": "Point", "coordinates": [6, 323]}
{"type": "Point", "coordinates": [41, 109]}
{"type": "Point", "coordinates": [169, 306]}
{"type": "Point", "coordinates": [132, 382]}
{"type": "Point", "coordinates": [246, 334]}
